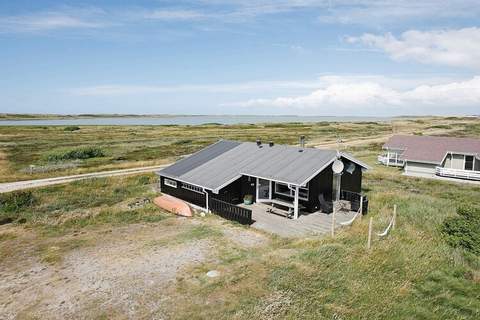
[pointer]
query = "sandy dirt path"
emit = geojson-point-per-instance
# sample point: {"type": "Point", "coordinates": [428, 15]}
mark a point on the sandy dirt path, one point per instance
{"type": "Point", "coordinates": [359, 141]}
{"type": "Point", "coordinates": [19, 185]}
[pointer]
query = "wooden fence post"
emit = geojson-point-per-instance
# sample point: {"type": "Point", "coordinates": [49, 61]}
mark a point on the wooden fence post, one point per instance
{"type": "Point", "coordinates": [369, 241]}
{"type": "Point", "coordinates": [361, 207]}
{"type": "Point", "coordinates": [333, 221]}
{"type": "Point", "coordinates": [394, 216]}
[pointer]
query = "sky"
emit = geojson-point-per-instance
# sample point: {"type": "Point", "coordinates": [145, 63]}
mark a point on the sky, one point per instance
{"type": "Point", "coordinates": [266, 57]}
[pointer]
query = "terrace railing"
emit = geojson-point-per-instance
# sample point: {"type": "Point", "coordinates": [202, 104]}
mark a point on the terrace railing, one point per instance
{"type": "Point", "coordinates": [457, 173]}
{"type": "Point", "coordinates": [390, 161]}
{"type": "Point", "coordinates": [230, 211]}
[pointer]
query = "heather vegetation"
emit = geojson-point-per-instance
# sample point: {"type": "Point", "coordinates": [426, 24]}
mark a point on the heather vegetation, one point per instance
{"type": "Point", "coordinates": [75, 154]}
{"type": "Point", "coordinates": [427, 268]}
{"type": "Point", "coordinates": [463, 230]}
{"type": "Point", "coordinates": [96, 148]}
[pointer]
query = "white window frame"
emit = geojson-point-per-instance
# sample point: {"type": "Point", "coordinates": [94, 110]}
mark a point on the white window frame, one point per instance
{"type": "Point", "coordinates": [170, 183]}
{"type": "Point", "coordinates": [192, 188]}
{"type": "Point", "coordinates": [291, 193]}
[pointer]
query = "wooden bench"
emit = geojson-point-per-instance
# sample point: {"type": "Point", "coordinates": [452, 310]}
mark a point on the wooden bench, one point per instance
{"type": "Point", "coordinates": [281, 203]}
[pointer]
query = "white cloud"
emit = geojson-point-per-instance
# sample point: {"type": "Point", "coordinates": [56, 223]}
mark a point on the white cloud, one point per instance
{"type": "Point", "coordinates": [375, 13]}
{"type": "Point", "coordinates": [369, 97]}
{"type": "Point", "coordinates": [366, 12]}
{"type": "Point", "coordinates": [369, 12]}
{"type": "Point", "coordinates": [251, 86]}
{"type": "Point", "coordinates": [458, 48]}
{"type": "Point", "coordinates": [171, 14]}
{"type": "Point", "coordinates": [52, 20]}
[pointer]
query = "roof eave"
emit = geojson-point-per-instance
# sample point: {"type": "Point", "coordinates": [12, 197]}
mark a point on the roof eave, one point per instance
{"type": "Point", "coordinates": [184, 181]}
{"type": "Point", "coordinates": [352, 159]}
{"type": "Point", "coordinates": [422, 161]}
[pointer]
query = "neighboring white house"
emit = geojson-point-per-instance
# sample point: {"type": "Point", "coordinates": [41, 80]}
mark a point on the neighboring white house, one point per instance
{"type": "Point", "coordinates": [427, 155]}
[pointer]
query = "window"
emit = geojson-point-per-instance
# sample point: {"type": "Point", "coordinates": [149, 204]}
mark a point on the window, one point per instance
{"type": "Point", "coordinates": [192, 188]}
{"type": "Point", "coordinates": [170, 183]}
{"type": "Point", "coordinates": [283, 189]}
{"type": "Point", "coordinates": [468, 162]}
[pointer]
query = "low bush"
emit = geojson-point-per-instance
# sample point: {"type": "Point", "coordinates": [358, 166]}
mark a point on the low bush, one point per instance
{"type": "Point", "coordinates": [15, 201]}
{"type": "Point", "coordinates": [183, 141]}
{"type": "Point", "coordinates": [75, 154]}
{"type": "Point", "coordinates": [143, 180]}
{"type": "Point", "coordinates": [440, 126]}
{"type": "Point", "coordinates": [71, 128]}
{"type": "Point", "coordinates": [464, 230]}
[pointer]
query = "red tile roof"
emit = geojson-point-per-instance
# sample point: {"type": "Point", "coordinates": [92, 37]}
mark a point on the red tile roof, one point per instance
{"type": "Point", "coordinates": [432, 149]}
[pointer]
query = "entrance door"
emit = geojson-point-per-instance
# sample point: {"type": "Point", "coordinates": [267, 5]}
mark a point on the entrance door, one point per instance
{"type": "Point", "coordinates": [263, 190]}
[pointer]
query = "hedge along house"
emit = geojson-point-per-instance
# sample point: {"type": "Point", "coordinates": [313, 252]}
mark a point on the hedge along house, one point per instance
{"type": "Point", "coordinates": [229, 171]}
{"type": "Point", "coordinates": [430, 156]}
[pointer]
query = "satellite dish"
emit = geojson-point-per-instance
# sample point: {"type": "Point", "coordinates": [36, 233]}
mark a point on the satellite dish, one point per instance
{"type": "Point", "coordinates": [350, 167]}
{"type": "Point", "coordinates": [337, 166]}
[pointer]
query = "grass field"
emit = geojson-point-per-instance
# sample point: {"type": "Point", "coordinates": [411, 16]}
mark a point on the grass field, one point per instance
{"type": "Point", "coordinates": [68, 229]}
{"type": "Point", "coordinates": [132, 146]}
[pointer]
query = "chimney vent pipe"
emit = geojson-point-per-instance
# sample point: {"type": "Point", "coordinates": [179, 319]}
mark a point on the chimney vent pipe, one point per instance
{"type": "Point", "coordinates": [302, 142]}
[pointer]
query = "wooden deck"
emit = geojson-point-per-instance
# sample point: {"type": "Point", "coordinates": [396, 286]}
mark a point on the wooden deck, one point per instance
{"type": "Point", "coordinates": [307, 223]}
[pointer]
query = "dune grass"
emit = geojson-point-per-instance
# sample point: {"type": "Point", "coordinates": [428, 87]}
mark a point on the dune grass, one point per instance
{"type": "Point", "coordinates": [130, 146]}
{"type": "Point", "coordinates": [69, 207]}
{"type": "Point", "coordinates": [411, 274]}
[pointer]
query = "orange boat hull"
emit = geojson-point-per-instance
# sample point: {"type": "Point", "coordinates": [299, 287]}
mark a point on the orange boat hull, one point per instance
{"type": "Point", "coordinates": [173, 205]}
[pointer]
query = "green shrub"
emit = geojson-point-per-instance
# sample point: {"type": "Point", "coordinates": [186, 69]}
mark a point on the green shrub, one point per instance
{"type": "Point", "coordinates": [464, 230]}
{"type": "Point", "coordinates": [183, 141]}
{"type": "Point", "coordinates": [440, 126]}
{"type": "Point", "coordinates": [15, 201]}
{"type": "Point", "coordinates": [75, 154]}
{"type": "Point", "coordinates": [71, 128]}
{"type": "Point", "coordinates": [143, 180]}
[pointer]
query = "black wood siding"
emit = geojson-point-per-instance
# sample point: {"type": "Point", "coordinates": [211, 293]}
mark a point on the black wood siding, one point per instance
{"type": "Point", "coordinates": [237, 190]}
{"type": "Point", "coordinates": [352, 182]}
{"type": "Point", "coordinates": [322, 183]}
{"type": "Point", "coordinates": [184, 194]}
{"type": "Point", "coordinates": [231, 193]}
{"type": "Point", "coordinates": [249, 186]}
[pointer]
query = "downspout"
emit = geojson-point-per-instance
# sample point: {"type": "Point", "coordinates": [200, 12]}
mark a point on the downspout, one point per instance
{"type": "Point", "coordinates": [296, 189]}
{"type": "Point", "coordinates": [206, 199]}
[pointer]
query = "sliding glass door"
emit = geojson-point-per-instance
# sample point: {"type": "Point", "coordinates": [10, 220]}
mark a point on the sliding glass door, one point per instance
{"type": "Point", "coordinates": [263, 192]}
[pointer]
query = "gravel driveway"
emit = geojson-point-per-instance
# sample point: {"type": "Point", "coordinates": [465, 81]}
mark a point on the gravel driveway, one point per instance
{"type": "Point", "coordinates": [19, 185]}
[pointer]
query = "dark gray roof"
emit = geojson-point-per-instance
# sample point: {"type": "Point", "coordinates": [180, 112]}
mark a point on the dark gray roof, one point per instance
{"type": "Point", "coordinates": [191, 162]}
{"type": "Point", "coordinates": [288, 164]}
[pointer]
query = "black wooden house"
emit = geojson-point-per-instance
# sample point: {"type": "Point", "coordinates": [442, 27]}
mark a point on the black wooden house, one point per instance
{"type": "Point", "coordinates": [230, 171]}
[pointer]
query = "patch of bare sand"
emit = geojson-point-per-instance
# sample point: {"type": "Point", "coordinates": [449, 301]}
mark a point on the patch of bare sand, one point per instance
{"type": "Point", "coordinates": [245, 237]}
{"type": "Point", "coordinates": [122, 273]}
{"type": "Point", "coordinates": [122, 276]}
